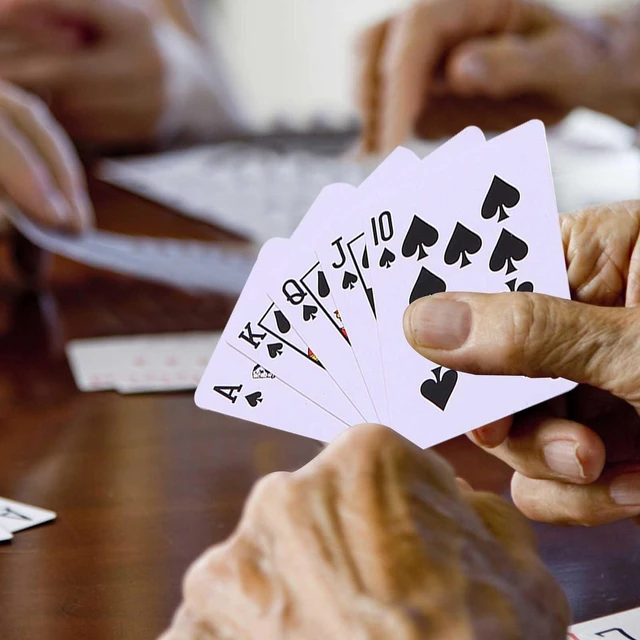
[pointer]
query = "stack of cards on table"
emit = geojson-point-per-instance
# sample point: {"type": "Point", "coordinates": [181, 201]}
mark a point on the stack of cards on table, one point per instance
{"type": "Point", "coordinates": [620, 626]}
{"type": "Point", "coordinates": [144, 363]}
{"type": "Point", "coordinates": [315, 343]}
{"type": "Point", "coordinates": [17, 516]}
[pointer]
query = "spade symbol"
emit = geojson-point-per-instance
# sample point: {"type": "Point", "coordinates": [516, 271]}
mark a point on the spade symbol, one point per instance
{"type": "Point", "coordinates": [284, 326]}
{"type": "Point", "coordinates": [309, 312]}
{"type": "Point", "coordinates": [372, 304]}
{"type": "Point", "coordinates": [508, 249]}
{"type": "Point", "coordinates": [365, 259]}
{"type": "Point", "coordinates": [463, 242]}
{"type": "Point", "coordinates": [501, 196]}
{"type": "Point", "coordinates": [254, 399]}
{"type": "Point", "coordinates": [387, 259]}
{"type": "Point", "coordinates": [426, 284]}
{"type": "Point", "coordinates": [439, 391]}
{"type": "Point", "coordinates": [420, 236]}
{"type": "Point", "coordinates": [323, 285]}
{"type": "Point", "coordinates": [524, 287]}
{"type": "Point", "coordinates": [349, 280]}
{"type": "Point", "coordinates": [275, 349]}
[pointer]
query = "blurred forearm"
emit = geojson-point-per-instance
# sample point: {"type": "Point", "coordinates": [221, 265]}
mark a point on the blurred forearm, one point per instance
{"type": "Point", "coordinates": [199, 102]}
{"type": "Point", "coordinates": [615, 88]}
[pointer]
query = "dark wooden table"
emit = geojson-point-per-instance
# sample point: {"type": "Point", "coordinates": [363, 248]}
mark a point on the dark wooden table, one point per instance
{"type": "Point", "coordinates": [143, 484]}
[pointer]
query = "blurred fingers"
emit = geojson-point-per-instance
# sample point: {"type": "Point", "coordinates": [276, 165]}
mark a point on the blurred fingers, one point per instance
{"type": "Point", "coordinates": [502, 67]}
{"type": "Point", "coordinates": [544, 447]}
{"type": "Point", "coordinates": [614, 496]}
{"type": "Point", "coordinates": [416, 46]}
{"type": "Point", "coordinates": [26, 179]}
{"type": "Point", "coordinates": [369, 47]}
{"type": "Point", "coordinates": [38, 168]}
{"type": "Point", "coordinates": [53, 146]}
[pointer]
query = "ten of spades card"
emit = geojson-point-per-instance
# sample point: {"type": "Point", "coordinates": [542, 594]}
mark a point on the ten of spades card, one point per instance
{"type": "Point", "coordinates": [483, 221]}
{"type": "Point", "coordinates": [340, 243]}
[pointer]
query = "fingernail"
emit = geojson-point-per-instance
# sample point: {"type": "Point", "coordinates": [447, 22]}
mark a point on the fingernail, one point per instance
{"type": "Point", "coordinates": [472, 67]}
{"type": "Point", "coordinates": [485, 436]}
{"type": "Point", "coordinates": [59, 206]}
{"type": "Point", "coordinates": [625, 489]}
{"type": "Point", "coordinates": [440, 324]}
{"type": "Point", "coordinates": [561, 457]}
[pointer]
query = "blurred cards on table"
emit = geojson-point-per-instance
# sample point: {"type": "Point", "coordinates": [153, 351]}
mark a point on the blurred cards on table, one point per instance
{"type": "Point", "coordinates": [139, 364]}
{"type": "Point", "coordinates": [249, 190]}
{"type": "Point", "coordinates": [620, 626]}
{"type": "Point", "coordinates": [17, 516]}
{"type": "Point", "coordinates": [186, 264]}
{"type": "Point", "coordinates": [261, 193]}
{"type": "Point", "coordinates": [315, 343]}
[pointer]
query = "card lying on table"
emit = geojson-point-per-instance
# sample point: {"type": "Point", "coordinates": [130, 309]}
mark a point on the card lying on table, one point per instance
{"type": "Point", "coordinates": [316, 343]}
{"type": "Point", "coordinates": [620, 626]}
{"type": "Point", "coordinates": [16, 516]}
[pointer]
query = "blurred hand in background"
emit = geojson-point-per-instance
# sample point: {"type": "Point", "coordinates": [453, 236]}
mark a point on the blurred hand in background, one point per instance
{"type": "Point", "coordinates": [113, 72]}
{"type": "Point", "coordinates": [442, 65]}
{"type": "Point", "coordinates": [95, 62]}
{"type": "Point", "coordinates": [39, 169]}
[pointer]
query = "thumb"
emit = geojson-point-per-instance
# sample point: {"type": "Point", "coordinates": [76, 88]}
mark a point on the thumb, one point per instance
{"type": "Point", "coordinates": [507, 66]}
{"type": "Point", "coordinates": [529, 334]}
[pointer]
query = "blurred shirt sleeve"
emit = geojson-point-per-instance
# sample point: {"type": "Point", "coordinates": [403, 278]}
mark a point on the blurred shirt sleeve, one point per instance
{"type": "Point", "coordinates": [199, 104]}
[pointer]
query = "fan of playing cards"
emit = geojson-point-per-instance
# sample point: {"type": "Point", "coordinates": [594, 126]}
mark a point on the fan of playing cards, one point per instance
{"type": "Point", "coordinates": [316, 342]}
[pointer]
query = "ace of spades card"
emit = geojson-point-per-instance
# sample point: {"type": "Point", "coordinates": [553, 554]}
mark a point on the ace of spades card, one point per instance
{"type": "Point", "coordinates": [262, 332]}
{"type": "Point", "coordinates": [461, 229]}
{"type": "Point", "coordinates": [235, 385]}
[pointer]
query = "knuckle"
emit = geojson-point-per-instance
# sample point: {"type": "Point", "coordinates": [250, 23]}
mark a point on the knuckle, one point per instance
{"type": "Point", "coordinates": [271, 488]}
{"type": "Point", "coordinates": [526, 332]}
{"type": "Point", "coordinates": [553, 502]}
{"type": "Point", "coordinates": [578, 512]}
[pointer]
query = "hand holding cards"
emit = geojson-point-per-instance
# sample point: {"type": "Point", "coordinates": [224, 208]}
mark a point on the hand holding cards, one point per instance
{"type": "Point", "coordinates": [316, 342]}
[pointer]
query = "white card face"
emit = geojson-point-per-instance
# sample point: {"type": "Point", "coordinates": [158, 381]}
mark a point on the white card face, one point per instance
{"type": "Point", "coordinates": [449, 234]}
{"type": "Point", "coordinates": [340, 243]}
{"type": "Point", "coordinates": [16, 516]}
{"type": "Point", "coordinates": [234, 385]}
{"type": "Point", "coordinates": [620, 626]}
{"type": "Point", "coordinates": [5, 536]}
{"type": "Point", "coordinates": [262, 332]}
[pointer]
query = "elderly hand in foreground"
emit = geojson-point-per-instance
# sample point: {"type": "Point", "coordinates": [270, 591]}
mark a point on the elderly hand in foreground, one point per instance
{"type": "Point", "coordinates": [39, 169]}
{"type": "Point", "coordinates": [441, 65]}
{"type": "Point", "coordinates": [577, 458]}
{"type": "Point", "coordinates": [372, 539]}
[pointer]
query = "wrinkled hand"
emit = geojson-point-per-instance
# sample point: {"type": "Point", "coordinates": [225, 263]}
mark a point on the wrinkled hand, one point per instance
{"type": "Point", "coordinates": [39, 169]}
{"type": "Point", "coordinates": [577, 458]}
{"type": "Point", "coordinates": [372, 539]}
{"type": "Point", "coordinates": [442, 65]}
{"type": "Point", "coordinates": [95, 62]}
